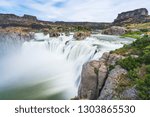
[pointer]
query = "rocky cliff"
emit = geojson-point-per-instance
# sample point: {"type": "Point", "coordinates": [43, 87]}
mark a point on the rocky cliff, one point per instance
{"type": "Point", "coordinates": [135, 16]}
{"type": "Point", "coordinates": [103, 79]}
{"type": "Point", "coordinates": [11, 20]}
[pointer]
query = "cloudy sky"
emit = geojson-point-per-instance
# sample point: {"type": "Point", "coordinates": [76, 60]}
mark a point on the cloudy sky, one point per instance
{"type": "Point", "coordinates": [72, 10]}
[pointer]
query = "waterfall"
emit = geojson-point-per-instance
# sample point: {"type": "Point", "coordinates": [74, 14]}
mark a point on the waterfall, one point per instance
{"type": "Point", "coordinates": [50, 68]}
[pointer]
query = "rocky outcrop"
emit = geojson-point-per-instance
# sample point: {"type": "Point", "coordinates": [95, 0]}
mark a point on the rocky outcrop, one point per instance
{"type": "Point", "coordinates": [130, 93]}
{"type": "Point", "coordinates": [29, 17]}
{"type": "Point", "coordinates": [89, 81]}
{"type": "Point", "coordinates": [109, 90]}
{"type": "Point", "coordinates": [54, 34]}
{"type": "Point", "coordinates": [12, 17]}
{"type": "Point", "coordinates": [135, 16]}
{"type": "Point", "coordinates": [99, 81]}
{"type": "Point", "coordinates": [115, 30]}
{"type": "Point", "coordinates": [89, 25]}
{"type": "Point", "coordinates": [11, 20]}
{"type": "Point", "coordinates": [7, 20]}
{"type": "Point", "coordinates": [81, 35]}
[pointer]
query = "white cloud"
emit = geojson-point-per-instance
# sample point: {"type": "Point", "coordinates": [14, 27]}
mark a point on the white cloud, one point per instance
{"type": "Point", "coordinates": [77, 10]}
{"type": "Point", "coordinates": [6, 3]}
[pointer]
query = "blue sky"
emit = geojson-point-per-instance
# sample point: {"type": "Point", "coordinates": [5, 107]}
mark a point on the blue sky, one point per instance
{"type": "Point", "coordinates": [72, 10]}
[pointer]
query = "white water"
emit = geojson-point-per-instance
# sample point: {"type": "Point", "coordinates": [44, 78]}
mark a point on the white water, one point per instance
{"type": "Point", "coordinates": [53, 66]}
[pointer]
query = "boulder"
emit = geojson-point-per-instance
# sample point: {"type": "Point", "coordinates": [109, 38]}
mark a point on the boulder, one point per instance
{"type": "Point", "coordinates": [130, 93]}
{"type": "Point", "coordinates": [114, 30]}
{"type": "Point", "coordinates": [81, 35]}
{"type": "Point", "coordinates": [89, 81]}
{"type": "Point", "coordinates": [109, 90]}
{"type": "Point", "coordinates": [54, 34]}
{"type": "Point", "coordinates": [92, 78]}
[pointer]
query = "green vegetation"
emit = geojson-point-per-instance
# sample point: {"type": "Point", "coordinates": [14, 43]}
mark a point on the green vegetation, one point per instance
{"type": "Point", "coordinates": [111, 67]}
{"type": "Point", "coordinates": [129, 63]}
{"type": "Point", "coordinates": [137, 62]}
{"type": "Point", "coordinates": [139, 26]}
{"type": "Point", "coordinates": [81, 28]}
{"type": "Point", "coordinates": [96, 71]}
{"type": "Point", "coordinates": [137, 30]}
{"type": "Point", "coordinates": [135, 35]}
{"type": "Point", "coordinates": [143, 87]}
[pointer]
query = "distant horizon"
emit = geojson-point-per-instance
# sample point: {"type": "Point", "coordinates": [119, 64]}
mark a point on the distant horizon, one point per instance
{"type": "Point", "coordinates": [102, 11]}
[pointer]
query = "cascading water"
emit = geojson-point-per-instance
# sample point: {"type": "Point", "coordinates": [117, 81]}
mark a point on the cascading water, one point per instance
{"type": "Point", "coordinates": [50, 68]}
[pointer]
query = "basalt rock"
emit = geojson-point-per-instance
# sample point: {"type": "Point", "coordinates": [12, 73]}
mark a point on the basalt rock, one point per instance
{"type": "Point", "coordinates": [89, 81]}
{"type": "Point", "coordinates": [81, 35]}
{"type": "Point", "coordinates": [100, 82]}
{"type": "Point", "coordinates": [92, 78]}
{"type": "Point", "coordinates": [54, 34]}
{"type": "Point", "coordinates": [135, 16]}
{"type": "Point", "coordinates": [29, 17]}
{"type": "Point", "coordinates": [109, 90]}
{"type": "Point", "coordinates": [12, 20]}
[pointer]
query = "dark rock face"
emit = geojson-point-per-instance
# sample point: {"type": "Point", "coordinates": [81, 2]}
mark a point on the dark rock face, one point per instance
{"type": "Point", "coordinates": [99, 82]}
{"type": "Point", "coordinates": [12, 17]}
{"type": "Point", "coordinates": [91, 25]}
{"type": "Point", "coordinates": [11, 20]}
{"type": "Point", "coordinates": [29, 17]}
{"type": "Point", "coordinates": [54, 34]}
{"type": "Point", "coordinates": [135, 16]}
{"type": "Point", "coordinates": [7, 20]}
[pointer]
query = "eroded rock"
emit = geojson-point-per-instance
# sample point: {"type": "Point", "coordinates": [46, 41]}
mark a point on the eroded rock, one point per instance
{"type": "Point", "coordinates": [134, 16]}
{"type": "Point", "coordinates": [92, 78]}
{"type": "Point", "coordinates": [54, 34]}
{"type": "Point", "coordinates": [98, 82]}
{"type": "Point", "coordinates": [130, 93]}
{"type": "Point", "coordinates": [89, 81]}
{"type": "Point", "coordinates": [108, 92]}
{"type": "Point", "coordinates": [115, 30]}
{"type": "Point", "coordinates": [81, 35]}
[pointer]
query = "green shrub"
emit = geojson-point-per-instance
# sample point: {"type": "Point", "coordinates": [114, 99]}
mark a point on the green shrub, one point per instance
{"type": "Point", "coordinates": [96, 71]}
{"type": "Point", "coordinates": [143, 87]}
{"type": "Point", "coordinates": [132, 74]}
{"type": "Point", "coordinates": [111, 67]}
{"type": "Point", "coordinates": [140, 76]}
{"type": "Point", "coordinates": [148, 69]}
{"type": "Point", "coordinates": [146, 58]}
{"type": "Point", "coordinates": [128, 63]}
{"type": "Point", "coordinates": [141, 43]}
{"type": "Point", "coordinates": [144, 30]}
{"type": "Point", "coordinates": [135, 34]}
